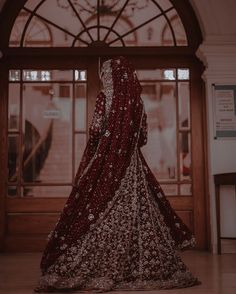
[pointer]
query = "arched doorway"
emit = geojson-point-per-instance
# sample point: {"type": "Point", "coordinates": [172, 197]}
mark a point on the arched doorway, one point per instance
{"type": "Point", "coordinates": [51, 56]}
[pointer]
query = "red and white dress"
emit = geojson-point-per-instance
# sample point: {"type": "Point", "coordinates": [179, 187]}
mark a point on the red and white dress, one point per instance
{"type": "Point", "coordinates": [117, 229]}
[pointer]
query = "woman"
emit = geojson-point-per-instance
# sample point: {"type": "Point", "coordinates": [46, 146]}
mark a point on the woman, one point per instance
{"type": "Point", "coordinates": [117, 229]}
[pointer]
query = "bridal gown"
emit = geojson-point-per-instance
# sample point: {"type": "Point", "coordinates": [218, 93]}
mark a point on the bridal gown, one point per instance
{"type": "Point", "coordinates": [117, 229]}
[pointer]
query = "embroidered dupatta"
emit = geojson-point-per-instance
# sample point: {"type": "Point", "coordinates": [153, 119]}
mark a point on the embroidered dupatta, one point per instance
{"type": "Point", "coordinates": [117, 130]}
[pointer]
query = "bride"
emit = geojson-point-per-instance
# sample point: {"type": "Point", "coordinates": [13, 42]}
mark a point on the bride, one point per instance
{"type": "Point", "coordinates": [117, 229]}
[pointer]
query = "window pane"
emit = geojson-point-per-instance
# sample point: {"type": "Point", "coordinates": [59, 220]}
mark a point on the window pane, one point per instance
{"type": "Point", "coordinates": [46, 191]}
{"type": "Point", "coordinates": [160, 151]}
{"type": "Point", "coordinates": [185, 156]}
{"type": "Point", "coordinates": [42, 34]}
{"type": "Point", "coordinates": [186, 189]}
{"type": "Point", "coordinates": [80, 75]}
{"type": "Point", "coordinates": [47, 127]}
{"type": "Point", "coordinates": [60, 13]}
{"type": "Point", "coordinates": [13, 158]}
{"type": "Point", "coordinates": [80, 107]}
{"type": "Point", "coordinates": [47, 75]}
{"type": "Point", "coordinates": [184, 105]}
{"type": "Point", "coordinates": [31, 4]}
{"type": "Point", "coordinates": [169, 189]}
{"type": "Point", "coordinates": [37, 75]}
{"type": "Point", "coordinates": [183, 74]}
{"type": "Point", "coordinates": [13, 107]}
{"type": "Point", "coordinates": [80, 144]}
{"type": "Point", "coordinates": [156, 74]}
{"type": "Point", "coordinates": [178, 28]}
{"type": "Point", "coordinates": [14, 75]}
{"type": "Point", "coordinates": [18, 28]}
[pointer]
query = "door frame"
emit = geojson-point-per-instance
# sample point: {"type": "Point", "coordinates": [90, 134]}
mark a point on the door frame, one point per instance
{"type": "Point", "coordinates": [19, 59]}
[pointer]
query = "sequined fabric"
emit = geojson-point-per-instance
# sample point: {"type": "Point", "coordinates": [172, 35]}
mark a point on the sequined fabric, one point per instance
{"type": "Point", "coordinates": [117, 229]}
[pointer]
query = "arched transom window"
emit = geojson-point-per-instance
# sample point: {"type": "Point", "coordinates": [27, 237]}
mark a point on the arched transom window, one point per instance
{"type": "Point", "coordinates": [113, 23]}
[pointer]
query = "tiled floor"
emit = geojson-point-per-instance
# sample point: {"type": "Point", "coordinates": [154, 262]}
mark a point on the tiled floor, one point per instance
{"type": "Point", "coordinates": [19, 273]}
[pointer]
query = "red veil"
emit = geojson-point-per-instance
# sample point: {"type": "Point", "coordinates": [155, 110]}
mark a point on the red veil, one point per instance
{"type": "Point", "coordinates": [114, 136]}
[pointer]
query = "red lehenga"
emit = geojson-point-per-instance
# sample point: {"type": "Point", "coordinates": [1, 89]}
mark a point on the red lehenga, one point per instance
{"type": "Point", "coordinates": [117, 229]}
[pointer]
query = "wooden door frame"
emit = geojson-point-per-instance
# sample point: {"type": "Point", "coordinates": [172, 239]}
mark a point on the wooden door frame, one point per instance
{"type": "Point", "coordinates": [201, 211]}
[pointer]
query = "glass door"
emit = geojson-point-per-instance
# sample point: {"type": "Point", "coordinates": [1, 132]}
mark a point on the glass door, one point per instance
{"type": "Point", "coordinates": [49, 113]}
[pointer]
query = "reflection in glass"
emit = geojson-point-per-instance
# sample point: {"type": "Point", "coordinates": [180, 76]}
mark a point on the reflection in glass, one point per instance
{"type": "Point", "coordinates": [13, 158]}
{"type": "Point", "coordinates": [46, 191]}
{"type": "Point", "coordinates": [80, 143]}
{"type": "Point", "coordinates": [170, 189]}
{"type": "Point", "coordinates": [80, 75]}
{"type": "Point", "coordinates": [47, 75]}
{"type": "Point", "coordinates": [178, 28]}
{"type": "Point", "coordinates": [47, 125]}
{"type": "Point", "coordinates": [185, 155]}
{"type": "Point", "coordinates": [186, 189]}
{"type": "Point", "coordinates": [13, 106]}
{"type": "Point", "coordinates": [80, 107]}
{"type": "Point", "coordinates": [38, 34]}
{"type": "Point", "coordinates": [160, 151]}
{"type": "Point", "coordinates": [184, 105]}
{"type": "Point", "coordinates": [183, 74]}
{"type": "Point", "coordinates": [156, 74]}
{"type": "Point", "coordinates": [18, 28]}
{"type": "Point", "coordinates": [36, 75]}
{"type": "Point", "coordinates": [14, 75]}
{"type": "Point", "coordinates": [64, 18]}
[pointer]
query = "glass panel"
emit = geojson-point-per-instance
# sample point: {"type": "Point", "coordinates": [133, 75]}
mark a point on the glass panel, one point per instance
{"type": "Point", "coordinates": [160, 151]}
{"type": "Point", "coordinates": [87, 10]}
{"type": "Point", "coordinates": [156, 74]}
{"type": "Point", "coordinates": [46, 191]}
{"type": "Point", "coordinates": [185, 156]}
{"type": "Point", "coordinates": [62, 75]}
{"type": "Point", "coordinates": [169, 189]}
{"type": "Point", "coordinates": [179, 31]}
{"type": "Point", "coordinates": [184, 105]}
{"type": "Point", "coordinates": [186, 189]}
{"type": "Point", "coordinates": [80, 75]}
{"type": "Point", "coordinates": [14, 75]}
{"type": "Point", "coordinates": [37, 75]}
{"type": "Point", "coordinates": [12, 191]}
{"type": "Point", "coordinates": [167, 38]}
{"type": "Point", "coordinates": [47, 75]}
{"type": "Point", "coordinates": [151, 33]}
{"type": "Point", "coordinates": [13, 107]}
{"type": "Point", "coordinates": [80, 107]}
{"type": "Point", "coordinates": [61, 14]}
{"type": "Point", "coordinates": [183, 74]}
{"type": "Point", "coordinates": [80, 144]}
{"type": "Point", "coordinates": [18, 28]}
{"type": "Point", "coordinates": [13, 157]}
{"type": "Point", "coordinates": [47, 127]}
{"type": "Point", "coordinates": [31, 4]}
{"type": "Point", "coordinates": [42, 34]}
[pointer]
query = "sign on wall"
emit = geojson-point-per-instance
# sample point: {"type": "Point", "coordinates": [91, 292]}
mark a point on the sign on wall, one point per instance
{"type": "Point", "coordinates": [224, 106]}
